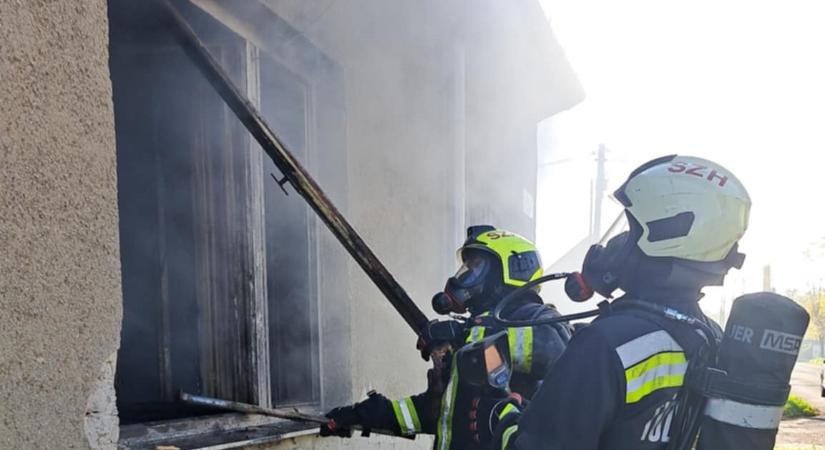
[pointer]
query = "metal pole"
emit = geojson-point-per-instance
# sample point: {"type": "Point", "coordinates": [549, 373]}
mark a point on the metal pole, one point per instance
{"type": "Point", "coordinates": [250, 409]}
{"type": "Point", "coordinates": [279, 413]}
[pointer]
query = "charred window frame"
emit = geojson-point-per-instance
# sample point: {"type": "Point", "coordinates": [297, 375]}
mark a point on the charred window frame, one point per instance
{"type": "Point", "coordinates": [220, 269]}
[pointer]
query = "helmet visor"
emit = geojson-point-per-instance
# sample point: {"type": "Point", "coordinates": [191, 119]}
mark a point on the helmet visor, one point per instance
{"type": "Point", "coordinates": [617, 227]}
{"type": "Point", "coordinates": [472, 271]}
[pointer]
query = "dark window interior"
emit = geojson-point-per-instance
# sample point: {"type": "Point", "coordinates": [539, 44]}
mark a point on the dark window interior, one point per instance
{"type": "Point", "coordinates": [184, 184]}
{"type": "Point", "coordinates": [289, 270]}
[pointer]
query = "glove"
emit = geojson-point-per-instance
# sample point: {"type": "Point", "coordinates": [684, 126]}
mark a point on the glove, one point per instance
{"type": "Point", "coordinates": [486, 413]}
{"type": "Point", "coordinates": [368, 414]}
{"type": "Point", "coordinates": [437, 333]}
{"type": "Point", "coordinates": [340, 421]}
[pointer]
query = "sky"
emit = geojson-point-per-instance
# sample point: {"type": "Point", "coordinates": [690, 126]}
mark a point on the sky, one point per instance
{"type": "Point", "coordinates": [738, 82]}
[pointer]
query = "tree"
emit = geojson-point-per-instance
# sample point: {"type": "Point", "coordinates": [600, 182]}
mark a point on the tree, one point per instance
{"type": "Point", "coordinates": [814, 302]}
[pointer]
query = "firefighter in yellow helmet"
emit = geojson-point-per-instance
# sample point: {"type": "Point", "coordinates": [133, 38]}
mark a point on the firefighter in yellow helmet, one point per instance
{"type": "Point", "coordinates": [494, 262]}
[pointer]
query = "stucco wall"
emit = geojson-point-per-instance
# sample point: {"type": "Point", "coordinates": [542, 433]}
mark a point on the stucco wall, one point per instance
{"type": "Point", "coordinates": [59, 263]}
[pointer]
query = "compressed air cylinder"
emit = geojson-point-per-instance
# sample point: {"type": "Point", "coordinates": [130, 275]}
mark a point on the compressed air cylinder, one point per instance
{"type": "Point", "coordinates": [758, 353]}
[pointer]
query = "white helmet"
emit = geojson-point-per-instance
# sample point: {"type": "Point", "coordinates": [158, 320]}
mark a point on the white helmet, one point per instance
{"type": "Point", "coordinates": [688, 208]}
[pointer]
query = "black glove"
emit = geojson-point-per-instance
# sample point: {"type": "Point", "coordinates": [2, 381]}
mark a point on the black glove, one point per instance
{"type": "Point", "coordinates": [374, 412]}
{"type": "Point", "coordinates": [437, 333]}
{"type": "Point", "coordinates": [340, 421]}
{"type": "Point", "coordinates": [486, 413]}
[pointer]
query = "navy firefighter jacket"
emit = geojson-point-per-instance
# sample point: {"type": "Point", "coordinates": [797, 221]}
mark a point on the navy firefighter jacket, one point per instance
{"type": "Point", "coordinates": [533, 351]}
{"type": "Point", "coordinates": [613, 388]}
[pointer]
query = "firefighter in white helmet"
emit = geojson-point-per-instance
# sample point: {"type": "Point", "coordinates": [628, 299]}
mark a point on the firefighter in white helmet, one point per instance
{"type": "Point", "coordinates": [615, 385]}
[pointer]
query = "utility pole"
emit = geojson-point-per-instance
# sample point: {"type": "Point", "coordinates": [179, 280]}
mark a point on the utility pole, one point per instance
{"type": "Point", "coordinates": [598, 192]}
{"type": "Point", "coordinates": [592, 210]}
{"type": "Point", "coordinates": [766, 279]}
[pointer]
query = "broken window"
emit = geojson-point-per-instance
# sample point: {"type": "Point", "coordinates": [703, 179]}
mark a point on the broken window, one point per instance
{"type": "Point", "coordinates": [219, 267]}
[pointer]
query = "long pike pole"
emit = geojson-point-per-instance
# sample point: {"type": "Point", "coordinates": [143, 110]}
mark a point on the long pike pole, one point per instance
{"type": "Point", "coordinates": [292, 170]}
{"type": "Point", "coordinates": [295, 415]}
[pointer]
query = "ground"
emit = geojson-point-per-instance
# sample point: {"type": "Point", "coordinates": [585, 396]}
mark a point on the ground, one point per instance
{"type": "Point", "coordinates": [808, 433]}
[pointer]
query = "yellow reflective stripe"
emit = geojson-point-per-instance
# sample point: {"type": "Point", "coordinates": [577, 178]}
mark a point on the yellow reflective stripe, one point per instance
{"type": "Point", "coordinates": [413, 414]}
{"type": "Point", "coordinates": [660, 359]}
{"type": "Point", "coordinates": [476, 334]}
{"type": "Point", "coordinates": [399, 417]}
{"type": "Point", "coordinates": [654, 385]}
{"type": "Point", "coordinates": [521, 348]}
{"type": "Point", "coordinates": [507, 410]}
{"type": "Point", "coordinates": [505, 437]}
{"type": "Point", "coordinates": [406, 416]}
{"type": "Point", "coordinates": [445, 422]}
{"type": "Point", "coordinates": [660, 371]}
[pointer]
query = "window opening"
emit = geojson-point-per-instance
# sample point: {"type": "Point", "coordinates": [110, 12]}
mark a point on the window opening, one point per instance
{"type": "Point", "coordinates": [188, 252]}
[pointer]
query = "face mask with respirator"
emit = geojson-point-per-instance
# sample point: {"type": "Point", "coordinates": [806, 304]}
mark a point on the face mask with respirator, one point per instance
{"type": "Point", "coordinates": [602, 265]}
{"type": "Point", "coordinates": [598, 275]}
{"type": "Point", "coordinates": [465, 287]}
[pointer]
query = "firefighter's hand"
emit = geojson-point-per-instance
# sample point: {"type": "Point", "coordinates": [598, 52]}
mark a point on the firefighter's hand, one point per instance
{"type": "Point", "coordinates": [486, 413]}
{"type": "Point", "coordinates": [437, 333]}
{"type": "Point", "coordinates": [340, 421]}
{"type": "Point", "coordinates": [368, 414]}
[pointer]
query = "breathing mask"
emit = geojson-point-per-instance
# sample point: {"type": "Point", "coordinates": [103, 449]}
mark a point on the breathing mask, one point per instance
{"type": "Point", "coordinates": [602, 265]}
{"type": "Point", "coordinates": [467, 284]}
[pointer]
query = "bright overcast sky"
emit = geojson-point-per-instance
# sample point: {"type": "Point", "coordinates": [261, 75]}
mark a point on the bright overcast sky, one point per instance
{"type": "Point", "coordinates": [741, 83]}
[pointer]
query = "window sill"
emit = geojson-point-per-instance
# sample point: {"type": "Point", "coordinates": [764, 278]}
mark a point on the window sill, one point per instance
{"type": "Point", "coordinates": [219, 432]}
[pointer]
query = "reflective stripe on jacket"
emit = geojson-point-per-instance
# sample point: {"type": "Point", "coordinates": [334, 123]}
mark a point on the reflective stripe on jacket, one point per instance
{"type": "Point", "coordinates": [533, 351]}
{"type": "Point", "coordinates": [612, 389]}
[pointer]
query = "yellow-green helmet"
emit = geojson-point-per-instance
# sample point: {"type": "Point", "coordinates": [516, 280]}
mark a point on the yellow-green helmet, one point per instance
{"type": "Point", "coordinates": [519, 258]}
{"type": "Point", "coordinates": [492, 260]}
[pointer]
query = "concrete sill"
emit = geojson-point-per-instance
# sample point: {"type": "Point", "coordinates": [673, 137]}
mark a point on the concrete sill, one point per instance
{"type": "Point", "coordinates": [218, 432]}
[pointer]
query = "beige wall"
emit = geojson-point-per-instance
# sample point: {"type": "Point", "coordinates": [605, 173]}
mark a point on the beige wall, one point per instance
{"type": "Point", "coordinates": [59, 262]}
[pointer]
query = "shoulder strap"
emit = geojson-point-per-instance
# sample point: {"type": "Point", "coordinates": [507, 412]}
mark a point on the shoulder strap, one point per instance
{"type": "Point", "coordinates": [685, 335]}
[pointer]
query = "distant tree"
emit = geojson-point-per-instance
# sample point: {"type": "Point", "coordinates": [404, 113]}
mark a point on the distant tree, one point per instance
{"type": "Point", "coordinates": [814, 302]}
{"type": "Point", "coordinates": [814, 299]}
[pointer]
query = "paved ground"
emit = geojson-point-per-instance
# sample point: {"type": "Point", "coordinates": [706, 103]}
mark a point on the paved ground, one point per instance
{"type": "Point", "coordinates": [805, 383]}
{"type": "Point", "coordinates": [809, 433]}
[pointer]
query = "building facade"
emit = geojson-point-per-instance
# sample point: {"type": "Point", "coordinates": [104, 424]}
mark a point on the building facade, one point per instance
{"type": "Point", "coordinates": [147, 249]}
